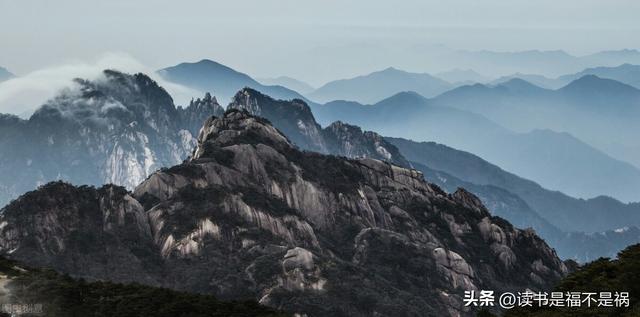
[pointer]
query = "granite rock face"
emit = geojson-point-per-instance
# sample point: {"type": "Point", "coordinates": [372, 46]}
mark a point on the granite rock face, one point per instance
{"type": "Point", "coordinates": [249, 215]}
{"type": "Point", "coordinates": [295, 119]}
{"type": "Point", "coordinates": [117, 129]}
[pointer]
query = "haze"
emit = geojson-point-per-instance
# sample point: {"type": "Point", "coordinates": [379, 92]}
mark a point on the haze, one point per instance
{"type": "Point", "coordinates": [315, 41]}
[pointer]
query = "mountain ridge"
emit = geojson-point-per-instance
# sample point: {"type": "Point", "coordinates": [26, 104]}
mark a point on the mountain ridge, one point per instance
{"type": "Point", "coordinates": [322, 224]}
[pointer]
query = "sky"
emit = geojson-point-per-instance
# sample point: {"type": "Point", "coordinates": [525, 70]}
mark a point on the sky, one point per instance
{"type": "Point", "coordinates": [313, 40]}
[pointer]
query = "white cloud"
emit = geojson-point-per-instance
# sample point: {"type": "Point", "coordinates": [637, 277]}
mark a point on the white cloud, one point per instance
{"type": "Point", "coordinates": [23, 95]}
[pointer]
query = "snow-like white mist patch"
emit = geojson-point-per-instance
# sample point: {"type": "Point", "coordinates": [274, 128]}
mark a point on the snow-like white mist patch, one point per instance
{"type": "Point", "coordinates": [24, 94]}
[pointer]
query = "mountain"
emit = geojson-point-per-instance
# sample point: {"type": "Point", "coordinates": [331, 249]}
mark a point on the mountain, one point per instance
{"type": "Point", "coordinates": [5, 74]}
{"type": "Point", "coordinates": [117, 129]}
{"type": "Point", "coordinates": [625, 73]}
{"type": "Point", "coordinates": [410, 108]}
{"type": "Point", "coordinates": [251, 216]}
{"type": "Point", "coordinates": [288, 82]}
{"type": "Point", "coordinates": [379, 85]}
{"type": "Point", "coordinates": [46, 292]}
{"type": "Point", "coordinates": [538, 80]}
{"type": "Point", "coordinates": [603, 111]}
{"type": "Point", "coordinates": [602, 95]}
{"type": "Point", "coordinates": [223, 81]}
{"type": "Point", "coordinates": [574, 245]}
{"type": "Point", "coordinates": [548, 63]}
{"type": "Point", "coordinates": [570, 214]}
{"type": "Point", "coordinates": [457, 118]}
{"type": "Point", "coordinates": [296, 120]}
{"type": "Point", "coordinates": [467, 76]}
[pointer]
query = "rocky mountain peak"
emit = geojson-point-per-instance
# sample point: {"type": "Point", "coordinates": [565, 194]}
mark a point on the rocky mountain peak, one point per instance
{"type": "Point", "coordinates": [237, 127]}
{"type": "Point", "coordinates": [118, 128]}
{"type": "Point", "coordinates": [293, 117]}
{"type": "Point", "coordinates": [251, 216]}
{"type": "Point", "coordinates": [350, 141]}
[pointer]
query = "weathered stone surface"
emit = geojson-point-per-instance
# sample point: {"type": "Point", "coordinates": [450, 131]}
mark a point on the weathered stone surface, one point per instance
{"type": "Point", "coordinates": [251, 216]}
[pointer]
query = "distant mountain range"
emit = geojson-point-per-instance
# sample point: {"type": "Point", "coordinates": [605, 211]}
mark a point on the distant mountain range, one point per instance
{"type": "Point", "coordinates": [502, 103]}
{"type": "Point", "coordinates": [462, 76]}
{"type": "Point", "coordinates": [222, 81]}
{"type": "Point", "coordinates": [547, 63]}
{"type": "Point", "coordinates": [379, 85]}
{"type": "Point", "coordinates": [602, 112]}
{"type": "Point", "coordinates": [555, 160]}
{"type": "Point", "coordinates": [559, 218]}
{"type": "Point", "coordinates": [5, 74]}
{"type": "Point", "coordinates": [626, 73]}
{"type": "Point", "coordinates": [505, 194]}
{"type": "Point", "coordinates": [288, 82]}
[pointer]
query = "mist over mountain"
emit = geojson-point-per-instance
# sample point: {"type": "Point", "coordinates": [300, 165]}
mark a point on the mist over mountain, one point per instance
{"type": "Point", "coordinates": [602, 112]}
{"type": "Point", "coordinates": [288, 82]}
{"type": "Point", "coordinates": [625, 73]}
{"type": "Point", "coordinates": [555, 160]}
{"type": "Point", "coordinates": [222, 81]}
{"type": "Point", "coordinates": [117, 129]}
{"type": "Point", "coordinates": [296, 120]}
{"type": "Point", "coordinates": [5, 74]}
{"type": "Point", "coordinates": [251, 216]}
{"type": "Point", "coordinates": [490, 183]}
{"type": "Point", "coordinates": [538, 80]}
{"type": "Point", "coordinates": [547, 63]}
{"type": "Point", "coordinates": [559, 218]}
{"type": "Point", "coordinates": [462, 76]}
{"type": "Point", "coordinates": [379, 85]}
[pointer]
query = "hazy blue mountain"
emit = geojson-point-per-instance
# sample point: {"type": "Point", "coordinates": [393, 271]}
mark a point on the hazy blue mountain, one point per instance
{"type": "Point", "coordinates": [602, 112]}
{"type": "Point", "coordinates": [222, 81]}
{"type": "Point", "coordinates": [457, 76]}
{"type": "Point", "coordinates": [562, 211]}
{"type": "Point", "coordinates": [555, 160]}
{"type": "Point", "coordinates": [613, 57]}
{"type": "Point", "coordinates": [379, 85]}
{"type": "Point", "coordinates": [117, 129]}
{"type": "Point", "coordinates": [538, 80]}
{"type": "Point", "coordinates": [296, 121]}
{"type": "Point", "coordinates": [548, 63]}
{"type": "Point", "coordinates": [579, 246]}
{"type": "Point", "coordinates": [288, 82]}
{"type": "Point", "coordinates": [5, 74]}
{"type": "Point", "coordinates": [625, 73]}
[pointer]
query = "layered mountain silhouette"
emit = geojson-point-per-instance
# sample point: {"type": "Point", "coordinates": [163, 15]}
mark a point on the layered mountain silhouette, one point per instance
{"type": "Point", "coordinates": [251, 216]}
{"type": "Point", "coordinates": [560, 219]}
{"type": "Point", "coordinates": [296, 120]}
{"type": "Point", "coordinates": [458, 118]}
{"type": "Point", "coordinates": [549, 63]}
{"type": "Point", "coordinates": [599, 111]}
{"type": "Point", "coordinates": [224, 82]}
{"type": "Point", "coordinates": [129, 128]}
{"type": "Point", "coordinates": [462, 76]}
{"type": "Point", "coordinates": [626, 73]}
{"type": "Point", "coordinates": [288, 82]}
{"type": "Point", "coordinates": [379, 85]}
{"type": "Point", "coordinates": [439, 162]}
